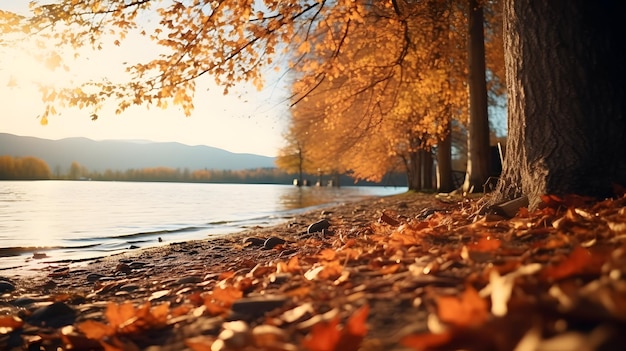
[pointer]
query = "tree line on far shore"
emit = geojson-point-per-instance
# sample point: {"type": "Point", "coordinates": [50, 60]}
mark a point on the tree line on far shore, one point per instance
{"type": "Point", "coordinates": [33, 168]}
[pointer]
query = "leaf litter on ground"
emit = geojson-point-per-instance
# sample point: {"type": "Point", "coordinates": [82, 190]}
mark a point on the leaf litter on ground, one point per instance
{"type": "Point", "coordinates": [553, 278]}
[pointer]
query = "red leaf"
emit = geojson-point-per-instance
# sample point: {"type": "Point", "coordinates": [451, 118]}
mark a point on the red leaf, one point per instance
{"type": "Point", "coordinates": [574, 264]}
{"type": "Point", "coordinates": [324, 336]}
{"type": "Point", "coordinates": [467, 310]}
{"type": "Point", "coordinates": [354, 331]}
{"type": "Point", "coordinates": [327, 336]}
{"type": "Point", "coordinates": [485, 244]}
{"type": "Point", "coordinates": [425, 341]}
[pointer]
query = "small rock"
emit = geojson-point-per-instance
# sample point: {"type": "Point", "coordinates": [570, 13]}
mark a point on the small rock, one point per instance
{"type": "Point", "coordinates": [318, 226]}
{"type": "Point", "coordinates": [129, 287]}
{"type": "Point", "coordinates": [252, 241]}
{"type": "Point", "coordinates": [268, 335]}
{"type": "Point", "coordinates": [258, 305]}
{"type": "Point", "coordinates": [272, 242]}
{"type": "Point", "coordinates": [123, 267]}
{"type": "Point", "coordinates": [132, 247]}
{"type": "Point", "coordinates": [136, 265]}
{"type": "Point", "coordinates": [6, 286]}
{"type": "Point", "coordinates": [92, 277]}
{"type": "Point", "coordinates": [56, 315]}
{"type": "Point", "coordinates": [235, 335]}
{"type": "Point", "coordinates": [23, 301]}
{"type": "Point", "coordinates": [190, 279]}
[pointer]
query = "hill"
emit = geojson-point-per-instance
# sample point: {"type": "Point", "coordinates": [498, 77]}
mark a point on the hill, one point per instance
{"type": "Point", "coordinates": [126, 154]}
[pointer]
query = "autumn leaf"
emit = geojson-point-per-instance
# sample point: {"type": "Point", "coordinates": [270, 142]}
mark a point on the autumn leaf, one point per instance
{"type": "Point", "coordinates": [327, 254]}
{"type": "Point", "coordinates": [467, 310]}
{"type": "Point", "coordinates": [324, 336]}
{"type": "Point", "coordinates": [426, 341]}
{"type": "Point", "coordinates": [10, 323]}
{"type": "Point", "coordinates": [327, 336]}
{"type": "Point", "coordinates": [355, 330]}
{"type": "Point", "coordinates": [485, 244]}
{"type": "Point", "coordinates": [200, 343]}
{"type": "Point", "coordinates": [95, 330]}
{"type": "Point", "coordinates": [292, 266]}
{"type": "Point", "coordinates": [574, 264]}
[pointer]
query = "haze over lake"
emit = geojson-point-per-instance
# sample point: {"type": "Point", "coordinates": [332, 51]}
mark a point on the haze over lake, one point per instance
{"type": "Point", "coordinates": [77, 220]}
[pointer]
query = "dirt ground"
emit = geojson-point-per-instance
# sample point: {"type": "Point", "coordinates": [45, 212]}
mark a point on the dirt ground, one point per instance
{"type": "Point", "coordinates": [407, 272]}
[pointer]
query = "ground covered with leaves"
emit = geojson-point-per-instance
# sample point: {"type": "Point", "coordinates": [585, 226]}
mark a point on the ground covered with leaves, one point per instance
{"type": "Point", "coordinates": [408, 272]}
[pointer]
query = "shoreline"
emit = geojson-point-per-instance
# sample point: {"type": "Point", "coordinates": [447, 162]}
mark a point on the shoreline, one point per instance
{"type": "Point", "coordinates": [286, 227]}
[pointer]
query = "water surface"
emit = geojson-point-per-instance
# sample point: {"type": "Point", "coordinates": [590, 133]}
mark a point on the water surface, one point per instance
{"type": "Point", "coordinates": [73, 220]}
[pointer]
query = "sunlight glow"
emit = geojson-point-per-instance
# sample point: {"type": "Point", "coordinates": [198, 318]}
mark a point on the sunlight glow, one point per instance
{"type": "Point", "coordinates": [244, 121]}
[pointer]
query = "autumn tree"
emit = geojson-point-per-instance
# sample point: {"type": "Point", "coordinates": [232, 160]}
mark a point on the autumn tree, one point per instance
{"type": "Point", "coordinates": [233, 41]}
{"type": "Point", "coordinates": [23, 168]}
{"type": "Point", "coordinates": [566, 101]}
{"type": "Point", "coordinates": [404, 79]}
{"type": "Point", "coordinates": [291, 157]}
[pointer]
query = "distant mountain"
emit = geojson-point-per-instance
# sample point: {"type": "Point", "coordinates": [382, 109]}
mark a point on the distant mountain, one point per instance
{"type": "Point", "coordinates": [122, 155]}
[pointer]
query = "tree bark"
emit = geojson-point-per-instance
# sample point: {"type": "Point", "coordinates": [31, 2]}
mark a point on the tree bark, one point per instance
{"type": "Point", "coordinates": [427, 169]}
{"type": "Point", "coordinates": [412, 163]}
{"type": "Point", "coordinates": [444, 163]}
{"type": "Point", "coordinates": [478, 131]}
{"type": "Point", "coordinates": [565, 79]}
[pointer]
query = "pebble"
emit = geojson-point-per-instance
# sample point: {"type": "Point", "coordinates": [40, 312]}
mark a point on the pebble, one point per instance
{"type": "Point", "coordinates": [129, 287]}
{"type": "Point", "coordinates": [123, 267]}
{"type": "Point", "coordinates": [252, 241]}
{"type": "Point", "coordinates": [235, 335]}
{"type": "Point", "coordinates": [6, 286]}
{"type": "Point", "coordinates": [318, 226]}
{"type": "Point", "coordinates": [258, 305]}
{"type": "Point", "coordinates": [190, 279]}
{"type": "Point", "coordinates": [136, 265]}
{"type": "Point", "coordinates": [23, 301]}
{"type": "Point", "coordinates": [56, 315]}
{"type": "Point", "coordinates": [267, 335]}
{"type": "Point", "coordinates": [92, 277]}
{"type": "Point", "coordinates": [272, 242]}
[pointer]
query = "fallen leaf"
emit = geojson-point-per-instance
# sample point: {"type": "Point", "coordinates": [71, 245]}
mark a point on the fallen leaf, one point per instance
{"type": "Point", "coordinates": [95, 330]}
{"type": "Point", "coordinates": [10, 323]}
{"type": "Point", "coordinates": [426, 341]}
{"type": "Point", "coordinates": [355, 330]}
{"type": "Point", "coordinates": [467, 310]}
{"type": "Point", "coordinates": [200, 343]}
{"type": "Point", "coordinates": [574, 264]}
{"type": "Point", "coordinates": [324, 336]}
{"type": "Point", "coordinates": [485, 244]}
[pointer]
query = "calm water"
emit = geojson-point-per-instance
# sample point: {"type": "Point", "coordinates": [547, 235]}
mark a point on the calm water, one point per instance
{"type": "Point", "coordinates": [78, 220]}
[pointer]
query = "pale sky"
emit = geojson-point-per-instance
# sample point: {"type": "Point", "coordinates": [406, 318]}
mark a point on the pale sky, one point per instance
{"type": "Point", "coordinates": [244, 121]}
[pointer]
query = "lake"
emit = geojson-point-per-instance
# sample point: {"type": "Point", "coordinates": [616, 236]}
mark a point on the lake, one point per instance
{"type": "Point", "coordinates": [75, 220]}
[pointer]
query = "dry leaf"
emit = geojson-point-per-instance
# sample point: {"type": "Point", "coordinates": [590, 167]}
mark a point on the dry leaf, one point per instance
{"type": "Point", "coordinates": [485, 244]}
{"type": "Point", "coordinates": [324, 336]}
{"type": "Point", "coordinates": [574, 264]}
{"type": "Point", "coordinates": [467, 310]}
{"type": "Point", "coordinates": [426, 341]}
{"type": "Point", "coordinates": [200, 343]}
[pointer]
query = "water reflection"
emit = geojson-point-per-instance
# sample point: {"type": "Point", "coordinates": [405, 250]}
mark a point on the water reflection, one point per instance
{"type": "Point", "coordinates": [303, 197]}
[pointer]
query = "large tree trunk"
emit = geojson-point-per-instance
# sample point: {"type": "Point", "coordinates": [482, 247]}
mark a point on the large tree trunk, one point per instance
{"type": "Point", "coordinates": [478, 131]}
{"type": "Point", "coordinates": [565, 80]}
{"type": "Point", "coordinates": [444, 163]}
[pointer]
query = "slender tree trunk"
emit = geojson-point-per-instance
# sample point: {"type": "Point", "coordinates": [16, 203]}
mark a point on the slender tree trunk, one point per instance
{"type": "Point", "coordinates": [566, 98]}
{"type": "Point", "coordinates": [412, 163]}
{"type": "Point", "coordinates": [427, 169]}
{"type": "Point", "coordinates": [444, 163]}
{"type": "Point", "coordinates": [478, 131]}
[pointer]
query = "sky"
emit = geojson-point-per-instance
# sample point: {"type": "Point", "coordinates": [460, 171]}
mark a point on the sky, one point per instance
{"type": "Point", "coordinates": [244, 121]}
